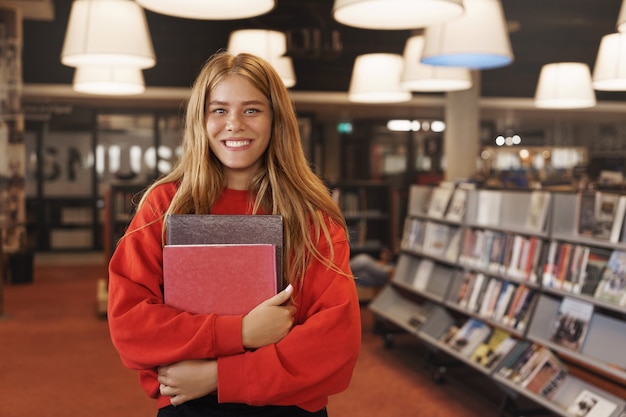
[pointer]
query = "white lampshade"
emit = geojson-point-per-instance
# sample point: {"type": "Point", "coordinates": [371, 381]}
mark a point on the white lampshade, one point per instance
{"type": "Point", "coordinates": [479, 39]}
{"type": "Point", "coordinates": [376, 79]}
{"type": "Point", "coordinates": [270, 45]}
{"type": "Point", "coordinates": [109, 80]}
{"type": "Point", "coordinates": [395, 14]}
{"type": "Point", "coordinates": [284, 67]}
{"type": "Point", "coordinates": [430, 78]}
{"type": "Point", "coordinates": [209, 9]}
{"type": "Point", "coordinates": [565, 85]}
{"type": "Point", "coordinates": [609, 72]}
{"type": "Point", "coordinates": [621, 18]}
{"type": "Point", "coordinates": [107, 32]}
{"type": "Point", "coordinates": [261, 42]}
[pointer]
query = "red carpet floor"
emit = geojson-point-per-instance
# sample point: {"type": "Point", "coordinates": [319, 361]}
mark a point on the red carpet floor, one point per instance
{"type": "Point", "coordinates": [56, 360]}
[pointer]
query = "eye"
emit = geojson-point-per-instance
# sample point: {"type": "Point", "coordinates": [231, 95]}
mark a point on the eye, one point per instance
{"type": "Point", "coordinates": [251, 111]}
{"type": "Point", "coordinates": [218, 110]}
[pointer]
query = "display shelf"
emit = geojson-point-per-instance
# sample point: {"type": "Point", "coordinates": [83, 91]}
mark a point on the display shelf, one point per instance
{"type": "Point", "coordinates": [446, 294]}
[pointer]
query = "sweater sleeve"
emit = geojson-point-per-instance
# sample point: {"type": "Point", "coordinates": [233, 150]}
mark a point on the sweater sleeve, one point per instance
{"type": "Point", "coordinates": [316, 359]}
{"type": "Point", "coordinates": [146, 332]}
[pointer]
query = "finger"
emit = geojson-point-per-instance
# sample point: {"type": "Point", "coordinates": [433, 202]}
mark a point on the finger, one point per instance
{"type": "Point", "coordinates": [281, 297]}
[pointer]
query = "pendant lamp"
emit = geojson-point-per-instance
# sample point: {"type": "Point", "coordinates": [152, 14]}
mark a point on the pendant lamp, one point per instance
{"type": "Point", "coordinates": [565, 85]}
{"type": "Point", "coordinates": [109, 80]}
{"type": "Point", "coordinates": [478, 40]}
{"type": "Point", "coordinates": [395, 14]}
{"type": "Point", "coordinates": [209, 9]}
{"type": "Point", "coordinates": [621, 18]}
{"type": "Point", "coordinates": [270, 45]}
{"type": "Point", "coordinates": [376, 79]}
{"type": "Point", "coordinates": [109, 33]}
{"type": "Point", "coordinates": [609, 72]}
{"type": "Point", "coordinates": [430, 78]}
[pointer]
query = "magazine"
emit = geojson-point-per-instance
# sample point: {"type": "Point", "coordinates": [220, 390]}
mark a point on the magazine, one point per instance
{"type": "Point", "coordinates": [571, 324]}
{"type": "Point", "coordinates": [612, 286]}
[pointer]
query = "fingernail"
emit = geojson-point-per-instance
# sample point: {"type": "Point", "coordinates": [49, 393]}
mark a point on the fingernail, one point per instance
{"type": "Point", "coordinates": [289, 289]}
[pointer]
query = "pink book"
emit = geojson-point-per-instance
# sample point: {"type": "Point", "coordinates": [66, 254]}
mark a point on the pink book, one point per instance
{"type": "Point", "coordinates": [227, 279]}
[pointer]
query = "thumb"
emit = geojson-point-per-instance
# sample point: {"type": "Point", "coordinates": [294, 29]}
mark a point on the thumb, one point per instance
{"type": "Point", "coordinates": [282, 297]}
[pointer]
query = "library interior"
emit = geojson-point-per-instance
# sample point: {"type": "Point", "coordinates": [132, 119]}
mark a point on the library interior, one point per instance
{"type": "Point", "coordinates": [496, 211]}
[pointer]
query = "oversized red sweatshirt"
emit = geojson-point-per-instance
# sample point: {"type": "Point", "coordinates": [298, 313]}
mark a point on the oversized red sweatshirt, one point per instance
{"type": "Point", "coordinates": [315, 360]}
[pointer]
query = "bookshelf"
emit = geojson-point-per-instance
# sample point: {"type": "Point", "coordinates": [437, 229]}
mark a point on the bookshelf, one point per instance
{"type": "Point", "coordinates": [120, 204]}
{"type": "Point", "coordinates": [368, 207]}
{"type": "Point", "coordinates": [491, 275]}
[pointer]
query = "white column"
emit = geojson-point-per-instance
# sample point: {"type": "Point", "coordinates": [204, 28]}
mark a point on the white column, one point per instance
{"type": "Point", "coordinates": [461, 140]}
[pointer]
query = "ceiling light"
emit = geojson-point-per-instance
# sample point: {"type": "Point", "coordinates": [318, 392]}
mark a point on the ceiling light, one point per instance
{"type": "Point", "coordinates": [621, 18]}
{"type": "Point", "coordinates": [376, 79]}
{"type": "Point", "coordinates": [107, 32]}
{"type": "Point", "coordinates": [395, 14]}
{"type": "Point", "coordinates": [609, 73]}
{"type": "Point", "coordinates": [209, 9]}
{"type": "Point", "coordinates": [261, 42]}
{"type": "Point", "coordinates": [479, 39]}
{"type": "Point", "coordinates": [270, 45]}
{"type": "Point", "coordinates": [565, 85]}
{"type": "Point", "coordinates": [109, 80]}
{"type": "Point", "coordinates": [430, 78]}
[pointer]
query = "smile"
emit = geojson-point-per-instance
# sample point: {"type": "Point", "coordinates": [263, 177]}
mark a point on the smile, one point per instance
{"type": "Point", "coordinates": [236, 143]}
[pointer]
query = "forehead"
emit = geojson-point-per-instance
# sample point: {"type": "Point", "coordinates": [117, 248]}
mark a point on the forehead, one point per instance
{"type": "Point", "coordinates": [236, 88]}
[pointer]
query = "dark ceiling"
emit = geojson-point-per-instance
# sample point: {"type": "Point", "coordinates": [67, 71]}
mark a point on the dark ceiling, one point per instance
{"type": "Point", "coordinates": [542, 31]}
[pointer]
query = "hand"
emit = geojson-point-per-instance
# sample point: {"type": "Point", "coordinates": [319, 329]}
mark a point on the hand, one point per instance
{"type": "Point", "coordinates": [268, 322]}
{"type": "Point", "coordinates": [188, 380]}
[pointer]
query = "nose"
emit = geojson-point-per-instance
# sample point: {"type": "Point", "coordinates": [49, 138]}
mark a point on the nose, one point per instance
{"type": "Point", "coordinates": [234, 122]}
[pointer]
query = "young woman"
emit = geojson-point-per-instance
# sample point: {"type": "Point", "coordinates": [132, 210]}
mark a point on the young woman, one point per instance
{"type": "Point", "coordinates": [241, 155]}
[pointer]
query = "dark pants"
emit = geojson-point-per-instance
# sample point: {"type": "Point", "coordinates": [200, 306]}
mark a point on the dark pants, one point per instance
{"type": "Point", "coordinates": [209, 407]}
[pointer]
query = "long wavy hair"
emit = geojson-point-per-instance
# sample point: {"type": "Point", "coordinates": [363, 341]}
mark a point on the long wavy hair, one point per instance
{"type": "Point", "coordinates": [284, 185]}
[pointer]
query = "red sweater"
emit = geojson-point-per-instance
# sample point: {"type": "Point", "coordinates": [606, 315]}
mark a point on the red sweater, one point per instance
{"type": "Point", "coordinates": [313, 361]}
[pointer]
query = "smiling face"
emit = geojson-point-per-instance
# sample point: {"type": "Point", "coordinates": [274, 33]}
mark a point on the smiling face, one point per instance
{"type": "Point", "coordinates": [239, 125]}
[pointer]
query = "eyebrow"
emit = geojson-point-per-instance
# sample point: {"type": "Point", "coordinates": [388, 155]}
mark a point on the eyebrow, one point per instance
{"type": "Point", "coordinates": [245, 103]}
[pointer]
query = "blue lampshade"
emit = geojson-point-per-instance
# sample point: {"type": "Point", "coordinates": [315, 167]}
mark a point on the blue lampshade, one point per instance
{"type": "Point", "coordinates": [477, 40]}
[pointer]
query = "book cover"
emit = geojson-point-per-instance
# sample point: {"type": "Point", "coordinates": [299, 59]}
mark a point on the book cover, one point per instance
{"type": "Point", "coordinates": [422, 274]}
{"type": "Point", "coordinates": [586, 206]}
{"type": "Point", "coordinates": [591, 404]}
{"type": "Point", "coordinates": [537, 210]}
{"type": "Point", "coordinates": [458, 203]}
{"type": "Point", "coordinates": [472, 333]}
{"type": "Point", "coordinates": [437, 236]}
{"type": "Point", "coordinates": [549, 373]}
{"type": "Point", "coordinates": [612, 285]}
{"type": "Point", "coordinates": [571, 324]}
{"type": "Point", "coordinates": [484, 353]}
{"type": "Point", "coordinates": [191, 229]}
{"type": "Point", "coordinates": [618, 221]}
{"type": "Point", "coordinates": [223, 279]}
{"type": "Point", "coordinates": [592, 270]}
{"type": "Point", "coordinates": [440, 199]}
{"type": "Point", "coordinates": [604, 214]}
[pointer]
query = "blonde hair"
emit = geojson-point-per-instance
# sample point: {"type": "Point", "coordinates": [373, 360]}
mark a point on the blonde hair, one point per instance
{"type": "Point", "coordinates": [284, 185]}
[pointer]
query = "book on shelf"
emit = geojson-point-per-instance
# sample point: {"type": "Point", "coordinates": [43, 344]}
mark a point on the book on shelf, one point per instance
{"type": "Point", "coordinates": [519, 310]}
{"type": "Point", "coordinates": [504, 300]}
{"type": "Point", "coordinates": [537, 210]}
{"type": "Point", "coordinates": [604, 214]}
{"type": "Point", "coordinates": [572, 322]}
{"type": "Point", "coordinates": [489, 207]}
{"type": "Point", "coordinates": [592, 269]}
{"type": "Point", "coordinates": [507, 364]}
{"type": "Point", "coordinates": [422, 274]}
{"type": "Point", "coordinates": [585, 217]}
{"type": "Point", "coordinates": [436, 238]}
{"type": "Point", "coordinates": [458, 204]}
{"type": "Point", "coordinates": [439, 199]}
{"type": "Point", "coordinates": [490, 297]}
{"type": "Point", "coordinates": [414, 231]}
{"type": "Point", "coordinates": [186, 229]}
{"type": "Point", "coordinates": [580, 256]}
{"type": "Point", "coordinates": [591, 404]}
{"type": "Point", "coordinates": [452, 251]}
{"type": "Point", "coordinates": [547, 375]}
{"type": "Point", "coordinates": [612, 285]}
{"type": "Point", "coordinates": [618, 220]}
{"type": "Point", "coordinates": [227, 279]}
{"type": "Point", "coordinates": [477, 289]}
{"type": "Point", "coordinates": [488, 353]}
{"type": "Point", "coordinates": [512, 368]}
{"type": "Point", "coordinates": [467, 338]}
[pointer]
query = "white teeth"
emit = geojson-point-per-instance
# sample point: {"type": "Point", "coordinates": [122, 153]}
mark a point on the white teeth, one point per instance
{"type": "Point", "coordinates": [236, 143]}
